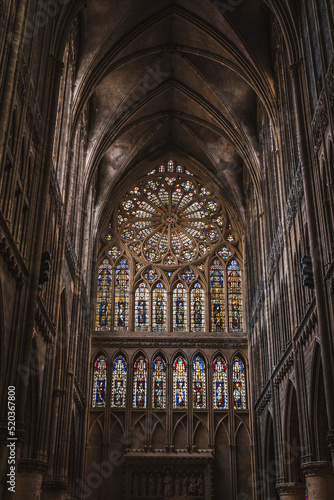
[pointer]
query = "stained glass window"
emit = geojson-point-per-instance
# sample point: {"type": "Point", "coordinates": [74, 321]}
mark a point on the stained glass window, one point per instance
{"type": "Point", "coordinates": [159, 308]}
{"type": "Point", "coordinates": [122, 295]}
{"type": "Point", "coordinates": [197, 309]}
{"type": "Point", "coordinates": [180, 383]}
{"type": "Point", "coordinates": [169, 218]}
{"type": "Point", "coordinates": [180, 308]}
{"type": "Point", "coordinates": [104, 288]}
{"type": "Point", "coordinates": [140, 383]}
{"type": "Point", "coordinates": [159, 383]}
{"type": "Point", "coordinates": [118, 392]}
{"type": "Point", "coordinates": [142, 307]}
{"type": "Point", "coordinates": [217, 296]}
{"type": "Point", "coordinates": [220, 389]}
{"type": "Point", "coordinates": [199, 390]}
{"type": "Point", "coordinates": [239, 384]}
{"type": "Point", "coordinates": [234, 297]}
{"type": "Point", "coordinates": [99, 384]}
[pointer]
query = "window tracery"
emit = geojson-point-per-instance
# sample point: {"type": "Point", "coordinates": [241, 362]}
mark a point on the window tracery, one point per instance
{"type": "Point", "coordinates": [122, 295]}
{"type": "Point", "coordinates": [118, 395]}
{"type": "Point", "coordinates": [140, 383]}
{"type": "Point", "coordinates": [197, 309]}
{"type": "Point", "coordinates": [217, 297]}
{"type": "Point", "coordinates": [199, 386]}
{"type": "Point", "coordinates": [180, 390]}
{"type": "Point", "coordinates": [220, 389]}
{"type": "Point", "coordinates": [99, 383]}
{"type": "Point", "coordinates": [159, 308]}
{"type": "Point", "coordinates": [104, 288]}
{"type": "Point", "coordinates": [142, 307]}
{"type": "Point", "coordinates": [234, 296]}
{"type": "Point", "coordinates": [159, 383]}
{"type": "Point", "coordinates": [239, 384]}
{"type": "Point", "coordinates": [167, 215]}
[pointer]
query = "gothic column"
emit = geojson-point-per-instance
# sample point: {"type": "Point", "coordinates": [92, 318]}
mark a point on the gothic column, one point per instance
{"type": "Point", "coordinates": [319, 480]}
{"type": "Point", "coordinates": [297, 73]}
{"type": "Point", "coordinates": [29, 479]}
{"type": "Point", "coordinates": [291, 491]}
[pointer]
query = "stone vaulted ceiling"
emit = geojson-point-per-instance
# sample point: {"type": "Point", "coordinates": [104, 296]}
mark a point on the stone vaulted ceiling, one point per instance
{"type": "Point", "coordinates": [178, 77]}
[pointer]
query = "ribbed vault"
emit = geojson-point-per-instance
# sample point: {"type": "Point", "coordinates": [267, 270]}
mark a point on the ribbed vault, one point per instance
{"type": "Point", "coordinates": [176, 77]}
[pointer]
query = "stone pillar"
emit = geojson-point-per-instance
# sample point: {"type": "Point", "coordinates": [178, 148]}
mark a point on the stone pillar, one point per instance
{"type": "Point", "coordinates": [29, 479]}
{"type": "Point", "coordinates": [54, 490]}
{"type": "Point", "coordinates": [291, 491]}
{"type": "Point", "coordinates": [319, 480]}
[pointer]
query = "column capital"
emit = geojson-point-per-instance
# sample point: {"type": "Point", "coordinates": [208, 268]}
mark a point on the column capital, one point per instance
{"type": "Point", "coordinates": [317, 469]}
{"type": "Point", "coordinates": [291, 489]}
{"type": "Point", "coordinates": [32, 465]}
{"type": "Point", "coordinates": [54, 485]}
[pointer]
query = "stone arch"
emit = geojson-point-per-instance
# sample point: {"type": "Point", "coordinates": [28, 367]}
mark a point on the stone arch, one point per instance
{"type": "Point", "coordinates": [269, 461]}
{"type": "Point", "coordinates": [292, 438]}
{"type": "Point", "coordinates": [319, 417]}
{"type": "Point", "coordinates": [223, 461]}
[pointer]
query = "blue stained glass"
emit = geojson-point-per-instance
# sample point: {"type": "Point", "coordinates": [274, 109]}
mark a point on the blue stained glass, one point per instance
{"type": "Point", "coordinates": [104, 290]}
{"type": "Point", "coordinates": [199, 392]}
{"type": "Point", "coordinates": [220, 397]}
{"type": "Point", "coordinates": [159, 383]}
{"type": "Point", "coordinates": [180, 383]}
{"type": "Point", "coordinates": [118, 396]}
{"type": "Point", "coordinates": [142, 307]}
{"type": "Point", "coordinates": [170, 166]}
{"type": "Point", "coordinates": [239, 384]}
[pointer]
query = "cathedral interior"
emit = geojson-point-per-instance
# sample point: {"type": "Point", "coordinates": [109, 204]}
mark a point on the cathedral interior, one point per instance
{"type": "Point", "coordinates": [167, 249]}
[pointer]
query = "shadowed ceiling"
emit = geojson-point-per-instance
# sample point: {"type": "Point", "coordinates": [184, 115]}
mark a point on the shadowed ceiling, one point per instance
{"type": "Point", "coordinates": [180, 77]}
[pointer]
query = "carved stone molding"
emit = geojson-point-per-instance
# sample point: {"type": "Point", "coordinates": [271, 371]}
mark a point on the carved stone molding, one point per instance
{"type": "Point", "coordinates": [263, 402]}
{"type": "Point", "coordinates": [295, 195]}
{"type": "Point", "coordinates": [320, 122]}
{"type": "Point", "coordinates": [54, 191]}
{"type": "Point", "coordinates": [54, 485]}
{"type": "Point", "coordinates": [284, 369]}
{"type": "Point", "coordinates": [170, 342]}
{"type": "Point", "coordinates": [291, 488]}
{"type": "Point", "coordinates": [295, 67]}
{"type": "Point", "coordinates": [32, 465]}
{"type": "Point", "coordinates": [317, 468]}
{"type": "Point", "coordinates": [71, 256]}
{"type": "Point", "coordinates": [10, 259]}
{"type": "Point", "coordinates": [275, 254]}
{"type": "Point", "coordinates": [43, 322]}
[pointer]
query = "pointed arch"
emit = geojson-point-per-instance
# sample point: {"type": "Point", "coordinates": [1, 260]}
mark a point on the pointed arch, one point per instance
{"type": "Point", "coordinates": [140, 369]}
{"type": "Point", "coordinates": [197, 308]}
{"type": "Point", "coordinates": [122, 279]}
{"type": "Point", "coordinates": [199, 382]}
{"type": "Point", "coordinates": [119, 382]}
{"type": "Point", "coordinates": [99, 382]}
{"type": "Point", "coordinates": [220, 383]}
{"type": "Point", "coordinates": [180, 382]}
{"type": "Point", "coordinates": [292, 435]}
{"type": "Point", "coordinates": [142, 307]}
{"type": "Point", "coordinates": [239, 383]}
{"type": "Point", "coordinates": [179, 308]}
{"type": "Point", "coordinates": [159, 313]}
{"type": "Point", "coordinates": [318, 405]}
{"type": "Point", "coordinates": [234, 288]}
{"type": "Point", "coordinates": [159, 383]}
{"type": "Point", "coordinates": [104, 294]}
{"type": "Point", "coordinates": [217, 299]}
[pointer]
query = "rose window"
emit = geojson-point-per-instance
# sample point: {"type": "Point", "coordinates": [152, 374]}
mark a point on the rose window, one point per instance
{"type": "Point", "coordinates": [170, 218]}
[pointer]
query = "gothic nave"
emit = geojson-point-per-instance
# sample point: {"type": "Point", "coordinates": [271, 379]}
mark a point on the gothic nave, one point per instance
{"type": "Point", "coordinates": [167, 249]}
